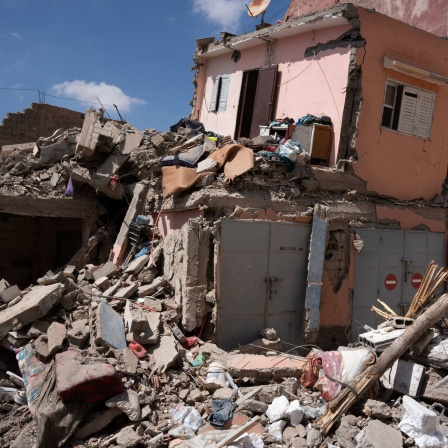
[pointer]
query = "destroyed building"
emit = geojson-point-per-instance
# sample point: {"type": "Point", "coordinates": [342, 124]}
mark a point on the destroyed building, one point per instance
{"type": "Point", "coordinates": [308, 182]}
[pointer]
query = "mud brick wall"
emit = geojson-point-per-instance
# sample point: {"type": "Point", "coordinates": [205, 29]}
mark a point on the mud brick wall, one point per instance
{"type": "Point", "coordinates": [40, 120]}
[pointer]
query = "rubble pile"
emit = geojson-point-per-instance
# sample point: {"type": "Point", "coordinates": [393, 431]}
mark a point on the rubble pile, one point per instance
{"type": "Point", "coordinates": [118, 350]}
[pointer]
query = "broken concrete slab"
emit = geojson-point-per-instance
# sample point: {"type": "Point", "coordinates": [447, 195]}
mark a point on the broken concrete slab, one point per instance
{"type": "Point", "coordinates": [34, 305]}
{"type": "Point", "coordinates": [166, 354]}
{"type": "Point", "coordinates": [405, 377]}
{"type": "Point", "coordinates": [264, 367]}
{"type": "Point", "coordinates": [78, 381]}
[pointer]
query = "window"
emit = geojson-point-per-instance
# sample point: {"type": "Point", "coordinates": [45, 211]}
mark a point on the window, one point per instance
{"type": "Point", "coordinates": [407, 109]}
{"type": "Point", "coordinates": [220, 92]}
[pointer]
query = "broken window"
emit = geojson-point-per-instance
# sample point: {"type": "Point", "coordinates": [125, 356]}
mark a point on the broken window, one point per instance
{"type": "Point", "coordinates": [407, 110]}
{"type": "Point", "coordinates": [219, 93]}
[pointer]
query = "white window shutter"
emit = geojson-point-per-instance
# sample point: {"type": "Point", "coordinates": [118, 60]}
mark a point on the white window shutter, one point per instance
{"type": "Point", "coordinates": [423, 114]}
{"type": "Point", "coordinates": [408, 108]}
{"type": "Point", "coordinates": [215, 90]}
{"type": "Point", "coordinates": [225, 83]}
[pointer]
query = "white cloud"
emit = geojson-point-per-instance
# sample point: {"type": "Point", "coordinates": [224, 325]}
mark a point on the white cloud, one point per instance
{"type": "Point", "coordinates": [16, 35]}
{"type": "Point", "coordinates": [90, 91]}
{"type": "Point", "coordinates": [225, 13]}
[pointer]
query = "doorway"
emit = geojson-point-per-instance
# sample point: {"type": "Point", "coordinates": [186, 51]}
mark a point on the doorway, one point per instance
{"type": "Point", "coordinates": [257, 101]}
{"type": "Point", "coordinates": [263, 273]}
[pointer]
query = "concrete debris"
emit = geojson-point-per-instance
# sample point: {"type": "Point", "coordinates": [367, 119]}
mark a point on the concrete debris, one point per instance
{"type": "Point", "coordinates": [125, 330]}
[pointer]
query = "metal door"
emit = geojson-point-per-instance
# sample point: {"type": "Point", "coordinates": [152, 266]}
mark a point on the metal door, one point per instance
{"type": "Point", "coordinates": [390, 267]}
{"type": "Point", "coordinates": [263, 269]}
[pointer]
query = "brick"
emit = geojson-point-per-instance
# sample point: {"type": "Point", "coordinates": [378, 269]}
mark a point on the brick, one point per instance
{"type": "Point", "coordinates": [56, 335]}
{"type": "Point", "coordinates": [91, 383]}
{"type": "Point", "coordinates": [34, 305]}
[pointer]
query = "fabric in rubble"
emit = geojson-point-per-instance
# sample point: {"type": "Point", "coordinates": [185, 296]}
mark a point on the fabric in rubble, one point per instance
{"type": "Point", "coordinates": [34, 373]}
{"type": "Point", "coordinates": [188, 158]}
{"type": "Point", "coordinates": [222, 412]}
{"type": "Point", "coordinates": [56, 421]}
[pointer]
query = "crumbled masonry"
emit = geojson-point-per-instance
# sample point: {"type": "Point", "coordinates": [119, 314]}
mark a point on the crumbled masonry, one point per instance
{"type": "Point", "coordinates": [116, 347]}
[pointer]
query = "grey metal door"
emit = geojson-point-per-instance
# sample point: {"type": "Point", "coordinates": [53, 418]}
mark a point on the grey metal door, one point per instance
{"type": "Point", "coordinates": [390, 267]}
{"type": "Point", "coordinates": [263, 267]}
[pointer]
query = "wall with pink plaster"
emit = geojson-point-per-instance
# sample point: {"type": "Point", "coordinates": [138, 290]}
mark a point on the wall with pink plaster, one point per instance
{"type": "Point", "coordinates": [314, 85]}
{"type": "Point", "coordinates": [408, 219]}
{"type": "Point", "coordinates": [172, 222]}
{"type": "Point", "coordinates": [395, 164]}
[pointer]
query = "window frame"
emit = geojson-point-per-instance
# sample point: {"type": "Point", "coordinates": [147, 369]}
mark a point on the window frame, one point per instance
{"type": "Point", "coordinates": [419, 103]}
{"type": "Point", "coordinates": [220, 93]}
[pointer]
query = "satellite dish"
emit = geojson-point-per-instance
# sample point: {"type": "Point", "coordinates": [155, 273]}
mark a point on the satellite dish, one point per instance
{"type": "Point", "coordinates": [257, 7]}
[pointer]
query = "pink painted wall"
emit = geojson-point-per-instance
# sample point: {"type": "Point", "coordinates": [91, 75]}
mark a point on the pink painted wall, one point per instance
{"type": "Point", "coordinates": [394, 164]}
{"type": "Point", "coordinates": [408, 220]}
{"type": "Point", "coordinates": [172, 222]}
{"type": "Point", "coordinates": [428, 15]}
{"type": "Point", "coordinates": [312, 85]}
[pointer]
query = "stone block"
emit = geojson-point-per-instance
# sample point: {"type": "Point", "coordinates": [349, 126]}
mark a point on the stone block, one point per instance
{"type": "Point", "coordinates": [148, 290]}
{"type": "Point", "coordinates": [223, 393]}
{"type": "Point", "coordinates": [56, 335]}
{"type": "Point", "coordinates": [379, 435]}
{"type": "Point", "coordinates": [103, 283]}
{"type": "Point", "coordinates": [128, 291]}
{"type": "Point", "coordinates": [9, 294]}
{"type": "Point", "coordinates": [91, 383]}
{"type": "Point", "coordinates": [132, 141]}
{"type": "Point", "coordinates": [136, 265]}
{"type": "Point", "coordinates": [128, 438]}
{"type": "Point", "coordinates": [156, 305]}
{"type": "Point", "coordinates": [34, 305]}
{"type": "Point", "coordinates": [100, 421]}
{"type": "Point", "coordinates": [157, 140]}
{"type": "Point", "coordinates": [79, 333]}
{"type": "Point", "coordinates": [71, 272]}
{"type": "Point", "coordinates": [38, 328]}
{"type": "Point", "coordinates": [106, 270]}
{"type": "Point", "coordinates": [41, 348]}
{"type": "Point", "coordinates": [134, 318]}
{"type": "Point", "coordinates": [150, 333]}
{"type": "Point", "coordinates": [127, 360]}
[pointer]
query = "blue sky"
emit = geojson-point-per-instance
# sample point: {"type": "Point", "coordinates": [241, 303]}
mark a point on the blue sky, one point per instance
{"type": "Point", "coordinates": [136, 54]}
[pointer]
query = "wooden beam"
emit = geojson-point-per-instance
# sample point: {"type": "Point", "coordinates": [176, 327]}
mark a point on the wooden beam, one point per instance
{"type": "Point", "coordinates": [348, 396]}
